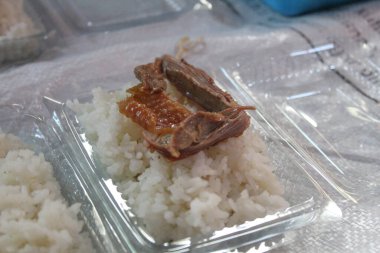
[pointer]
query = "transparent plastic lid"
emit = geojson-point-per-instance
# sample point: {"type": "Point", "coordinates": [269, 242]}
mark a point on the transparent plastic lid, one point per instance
{"type": "Point", "coordinates": [96, 15]}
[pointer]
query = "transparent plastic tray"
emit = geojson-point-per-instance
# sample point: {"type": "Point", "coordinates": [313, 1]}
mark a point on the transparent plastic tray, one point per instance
{"type": "Point", "coordinates": [24, 48]}
{"type": "Point", "coordinates": [308, 201]}
{"type": "Point", "coordinates": [97, 15]}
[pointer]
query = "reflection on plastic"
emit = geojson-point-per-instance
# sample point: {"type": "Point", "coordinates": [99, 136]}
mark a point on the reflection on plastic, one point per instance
{"type": "Point", "coordinates": [358, 113]}
{"type": "Point", "coordinates": [203, 4]}
{"type": "Point", "coordinates": [303, 115]}
{"type": "Point", "coordinates": [303, 95]}
{"type": "Point", "coordinates": [313, 50]}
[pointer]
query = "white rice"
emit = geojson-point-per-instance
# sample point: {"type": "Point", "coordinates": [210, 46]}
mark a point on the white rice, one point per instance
{"type": "Point", "coordinates": [225, 185]}
{"type": "Point", "coordinates": [33, 215]}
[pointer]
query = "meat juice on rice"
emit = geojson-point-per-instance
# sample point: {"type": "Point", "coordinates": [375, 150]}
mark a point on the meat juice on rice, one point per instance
{"type": "Point", "coordinates": [33, 215]}
{"type": "Point", "coordinates": [224, 185]}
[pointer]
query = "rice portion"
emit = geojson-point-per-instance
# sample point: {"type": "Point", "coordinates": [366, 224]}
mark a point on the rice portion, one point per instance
{"type": "Point", "coordinates": [33, 215]}
{"type": "Point", "coordinates": [224, 185]}
{"type": "Point", "coordinates": [14, 22]}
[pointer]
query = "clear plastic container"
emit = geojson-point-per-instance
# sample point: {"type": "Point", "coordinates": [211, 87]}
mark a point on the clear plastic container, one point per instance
{"type": "Point", "coordinates": [308, 201]}
{"type": "Point", "coordinates": [24, 48]}
{"type": "Point", "coordinates": [98, 15]}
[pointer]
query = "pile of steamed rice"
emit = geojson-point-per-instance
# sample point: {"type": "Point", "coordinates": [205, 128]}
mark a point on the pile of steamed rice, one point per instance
{"type": "Point", "coordinates": [33, 215]}
{"type": "Point", "coordinates": [222, 186]}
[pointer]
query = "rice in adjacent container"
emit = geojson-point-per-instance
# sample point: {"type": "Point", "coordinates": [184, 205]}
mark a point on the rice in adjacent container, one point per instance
{"type": "Point", "coordinates": [19, 35]}
{"type": "Point", "coordinates": [14, 22]}
{"type": "Point", "coordinates": [222, 186]}
{"type": "Point", "coordinates": [33, 215]}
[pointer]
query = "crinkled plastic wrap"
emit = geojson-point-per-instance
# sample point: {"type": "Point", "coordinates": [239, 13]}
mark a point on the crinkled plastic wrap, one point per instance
{"type": "Point", "coordinates": [313, 80]}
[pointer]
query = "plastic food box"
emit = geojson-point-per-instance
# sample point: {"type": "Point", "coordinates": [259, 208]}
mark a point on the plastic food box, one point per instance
{"type": "Point", "coordinates": [103, 209]}
{"type": "Point", "coordinates": [24, 48]}
{"type": "Point", "coordinates": [96, 15]}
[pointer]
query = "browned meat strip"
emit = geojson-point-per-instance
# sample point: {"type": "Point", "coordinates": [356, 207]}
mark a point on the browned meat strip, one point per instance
{"type": "Point", "coordinates": [152, 76]}
{"type": "Point", "coordinates": [196, 85]}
